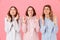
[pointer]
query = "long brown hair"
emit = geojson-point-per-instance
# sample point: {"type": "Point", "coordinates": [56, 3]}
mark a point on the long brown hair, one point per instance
{"type": "Point", "coordinates": [50, 14]}
{"type": "Point", "coordinates": [34, 13]}
{"type": "Point", "coordinates": [14, 15]}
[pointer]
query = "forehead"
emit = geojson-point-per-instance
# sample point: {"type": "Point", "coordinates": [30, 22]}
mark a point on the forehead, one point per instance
{"type": "Point", "coordinates": [30, 8]}
{"type": "Point", "coordinates": [12, 8]}
{"type": "Point", "coordinates": [46, 7]}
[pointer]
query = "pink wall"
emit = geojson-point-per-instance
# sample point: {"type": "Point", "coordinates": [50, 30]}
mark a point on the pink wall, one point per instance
{"type": "Point", "coordinates": [22, 5]}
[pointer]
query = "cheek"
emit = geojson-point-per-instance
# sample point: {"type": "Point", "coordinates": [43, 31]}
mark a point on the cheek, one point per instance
{"type": "Point", "coordinates": [28, 12]}
{"type": "Point", "coordinates": [46, 11]}
{"type": "Point", "coordinates": [12, 12]}
{"type": "Point", "coordinates": [32, 12]}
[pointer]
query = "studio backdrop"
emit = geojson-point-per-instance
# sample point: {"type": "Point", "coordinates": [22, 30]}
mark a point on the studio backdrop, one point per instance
{"type": "Point", "coordinates": [22, 6]}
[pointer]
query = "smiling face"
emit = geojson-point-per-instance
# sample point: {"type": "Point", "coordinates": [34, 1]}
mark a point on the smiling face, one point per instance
{"type": "Point", "coordinates": [12, 11]}
{"type": "Point", "coordinates": [46, 10]}
{"type": "Point", "coordinates": [30, 12]}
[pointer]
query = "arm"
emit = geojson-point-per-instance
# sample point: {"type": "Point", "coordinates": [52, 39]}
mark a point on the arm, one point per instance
{"type": "Point", "coordinates": [42, 26]}
{"type": "Point", "coordinates": [8, 26]}
{"type": "Point", "coordinates": [55, 30]}
{"type": "Point", "coordinates": [17, 25]}
{"type": "Point", "coordinates": [24, 25]}
{"type": "Point", "coordinates": [37, 26]}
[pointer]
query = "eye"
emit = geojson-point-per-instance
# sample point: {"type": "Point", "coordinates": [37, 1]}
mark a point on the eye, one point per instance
{"type": "Point", "coordinates": [47, 8]}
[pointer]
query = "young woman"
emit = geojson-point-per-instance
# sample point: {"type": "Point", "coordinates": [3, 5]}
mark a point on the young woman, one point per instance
{"type": "Point", "coordinates": [30, 25]}
{"type": "Point", "coordinates": [12, 24]}
{"type": "Point", "coordinates": [48, 24]}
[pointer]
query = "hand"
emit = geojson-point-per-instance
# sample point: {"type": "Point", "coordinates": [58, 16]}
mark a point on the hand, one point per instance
{"type": "Point", "coordinates": [24, 20]}
{"type": "Point", "coordinates": [16, 17]}
{"type": "Point", "coordinates": [36, 20]}
{"type": "Point", "coordinates": [38, 17]}
{"type": "Point", "coordinates": [8, 18]}
{"type": "Point", "coordinates": [55, 20]}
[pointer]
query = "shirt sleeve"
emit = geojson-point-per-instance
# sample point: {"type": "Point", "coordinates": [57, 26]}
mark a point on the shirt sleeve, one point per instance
{"type": "Point", "coordinates": [17, 25]}
{"type": "Point", "coordinates": [24, 27]}
{"type": "Point", "coordinates": [55, 28]}
{"type": "Point", "coordinates": [8, 26]}
{"type": "Point", "coordinates": [42, 27]}
{"type": "Point", "coordinates": [37, 27]}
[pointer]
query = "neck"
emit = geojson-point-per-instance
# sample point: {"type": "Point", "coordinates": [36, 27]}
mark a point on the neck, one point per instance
{"type": "Point", "coordinates": [30, 16]}
{"type": "Point", "coordinates": [12, 16]}
{"type": "Point", "coordinates": [47, 16]}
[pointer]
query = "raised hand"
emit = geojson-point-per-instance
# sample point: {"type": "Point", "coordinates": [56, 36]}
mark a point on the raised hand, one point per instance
{"type": "Point", "coordinates": [8, 18]}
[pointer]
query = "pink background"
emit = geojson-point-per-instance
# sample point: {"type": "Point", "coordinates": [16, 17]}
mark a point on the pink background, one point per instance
{"type": "Point", "coordinates": [22, 5]}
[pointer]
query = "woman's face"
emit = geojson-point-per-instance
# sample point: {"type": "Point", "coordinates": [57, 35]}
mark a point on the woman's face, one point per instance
{"type": "Point", "coordinates": [30, 12]}
{"type": "Point", "coordinates": [13, 11]}
{"type": "Point", "coordinates": [46, 10]}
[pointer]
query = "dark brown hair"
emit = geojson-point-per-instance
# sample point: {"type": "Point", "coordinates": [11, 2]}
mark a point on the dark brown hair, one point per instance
{"type": "Point", "coordinates": [15, 14]}
{"type": "Point", "coordinates": [34, 13]}
{"type": "Point", "coordinates": [50, 14]}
